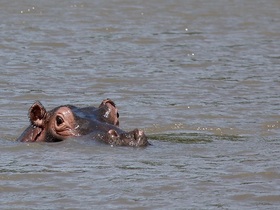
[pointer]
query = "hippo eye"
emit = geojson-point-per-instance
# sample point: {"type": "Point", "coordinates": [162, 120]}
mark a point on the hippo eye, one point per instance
{"type": "Point", "coordinates": [59, 120]}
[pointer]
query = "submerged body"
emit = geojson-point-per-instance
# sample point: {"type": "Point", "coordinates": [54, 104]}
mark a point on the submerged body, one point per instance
{"type": "Point", "coordinates": [101, 124]}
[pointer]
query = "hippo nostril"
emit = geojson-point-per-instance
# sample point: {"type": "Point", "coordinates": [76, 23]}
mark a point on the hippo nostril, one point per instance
{"type": "Point", "coordinates": [136, 134]}
{"type": "Point", "coordinates": [140, 132]}
{"type": "Point", "coordinates": [113, 133]}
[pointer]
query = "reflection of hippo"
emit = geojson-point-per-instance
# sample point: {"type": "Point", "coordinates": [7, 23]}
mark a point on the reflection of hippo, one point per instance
{"type": "Point", "coordinates": [69, 121]}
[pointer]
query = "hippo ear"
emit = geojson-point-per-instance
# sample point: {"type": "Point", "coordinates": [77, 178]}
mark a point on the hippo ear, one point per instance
{"type": "Point", "coordinates": [37, 113]}
{"type": "Point", "coordinates": [113, 115]}
{"type": "Point", "coordinates": [107, 101]}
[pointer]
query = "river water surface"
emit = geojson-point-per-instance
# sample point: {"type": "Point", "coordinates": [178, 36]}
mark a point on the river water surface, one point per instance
{"type": "Point", "coordinates": [200, 77]}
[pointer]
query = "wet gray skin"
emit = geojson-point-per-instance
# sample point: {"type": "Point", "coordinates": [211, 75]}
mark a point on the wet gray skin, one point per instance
{"type": "Point", "coordinates": [100, 124]}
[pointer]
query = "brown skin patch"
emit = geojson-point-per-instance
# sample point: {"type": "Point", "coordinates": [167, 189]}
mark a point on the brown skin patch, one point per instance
{"type": "Point", "coordinates": [62, 123]}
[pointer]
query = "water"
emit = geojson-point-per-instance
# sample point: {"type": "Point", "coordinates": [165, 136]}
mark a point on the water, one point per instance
{"type": "Point", "coordinates": [201, 78]}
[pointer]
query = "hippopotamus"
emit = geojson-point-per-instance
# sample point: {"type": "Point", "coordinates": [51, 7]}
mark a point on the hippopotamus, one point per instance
{"type": "Point", "coordinates": [68, 121]}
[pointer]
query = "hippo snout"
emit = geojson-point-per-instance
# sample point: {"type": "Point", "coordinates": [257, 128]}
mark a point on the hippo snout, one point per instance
{"type": "Point", "coordinates": [135, 138]}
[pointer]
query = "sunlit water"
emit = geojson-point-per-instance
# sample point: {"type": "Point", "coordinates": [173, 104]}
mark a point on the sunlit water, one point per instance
{"type": "Point", "coordinates": [200, 77]}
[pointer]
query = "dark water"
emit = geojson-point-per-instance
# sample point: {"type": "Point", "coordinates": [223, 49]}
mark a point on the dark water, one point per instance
{"type": "Point", "coordinates": [200, 77]}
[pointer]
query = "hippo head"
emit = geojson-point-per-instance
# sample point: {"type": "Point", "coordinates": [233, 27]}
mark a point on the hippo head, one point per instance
{"type": "Point", "coordinates": [70, 121]}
